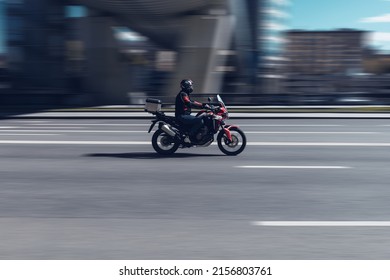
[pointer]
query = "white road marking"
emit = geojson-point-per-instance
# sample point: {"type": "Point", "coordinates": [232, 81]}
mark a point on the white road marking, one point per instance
{"type": "Point", "coordinates": [47, 123]}
{"type": "Point", "coordinates": [309, 132]}
{"type": "Point", "coordinates": [49, 127]}
{"type": "Point", "coordinates": [324, 144]}
{"type": "Point", "coordinates": [148, 123]}
{"type": "Point", "coordinates": [83, 130]}
{"type": "Point", "coordinates": [44, 142]}
{"type": "Point", "coordinates": [28, 134]}
{"type": "Point", "coordinates": [74, 131]}
{"type": "Point", "coordinates": [91, 124]}
{"type": "Point", "coordinates": [292, 167]}
{"type": "Point", "coordinates": [86, 142]}
{"type": "Point", "coordinates": [322, 223]}
{"type": "Point", "coordinates": [291, 125]}
{"type": "Point", "coordinates": [30, 121]}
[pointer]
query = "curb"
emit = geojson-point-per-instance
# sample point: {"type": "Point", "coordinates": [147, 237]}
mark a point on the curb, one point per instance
{"type": "Point", "coordinates": [232, 116]}
{"type": "Point", "coordinates": [235, 112]}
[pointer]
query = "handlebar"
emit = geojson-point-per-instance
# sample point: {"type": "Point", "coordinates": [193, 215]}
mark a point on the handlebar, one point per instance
{"type": "Point", "coordinates": [212, 108]}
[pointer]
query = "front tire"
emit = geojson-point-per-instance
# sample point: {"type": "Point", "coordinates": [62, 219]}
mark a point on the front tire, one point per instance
{"type": "Point", "coordinates": [163, 143]}
{"type": "Point", "coordinates": [236, 146]}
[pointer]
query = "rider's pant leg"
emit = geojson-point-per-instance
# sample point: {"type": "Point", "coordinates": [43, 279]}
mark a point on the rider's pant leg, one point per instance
{"type": "Point", "coordinates": [193, 122]}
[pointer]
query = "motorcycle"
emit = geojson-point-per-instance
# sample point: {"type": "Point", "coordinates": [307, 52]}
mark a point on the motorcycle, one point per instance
{"type": "Point", "coordinates": [171, 134]}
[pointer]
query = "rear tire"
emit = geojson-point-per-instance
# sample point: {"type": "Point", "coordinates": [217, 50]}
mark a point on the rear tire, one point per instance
{"type": "Point", "coordinates": [163, 143]}
{"type": "Point", "coordinates": [236, 146]}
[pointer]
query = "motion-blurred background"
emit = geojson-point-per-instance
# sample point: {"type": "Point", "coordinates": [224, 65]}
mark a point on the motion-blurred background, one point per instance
{"type": "Point", "coordinates": [61, 53]}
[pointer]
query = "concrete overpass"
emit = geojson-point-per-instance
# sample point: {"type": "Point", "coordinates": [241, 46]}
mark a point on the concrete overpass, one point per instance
{"type": "Point", "coordinates": [198, 30]}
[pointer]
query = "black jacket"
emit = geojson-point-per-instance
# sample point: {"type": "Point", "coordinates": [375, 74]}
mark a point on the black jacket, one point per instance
{"type": "Point", "coordinates": [184, 104]}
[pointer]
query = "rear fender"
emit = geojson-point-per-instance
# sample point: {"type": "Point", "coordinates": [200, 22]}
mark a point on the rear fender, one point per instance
{"type": "Point", "coordinates": [152, 125]}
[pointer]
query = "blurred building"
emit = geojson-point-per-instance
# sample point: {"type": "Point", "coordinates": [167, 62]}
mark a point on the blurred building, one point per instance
{"type": "Point", "coordinates": [2, 61]}
{"type": "Point", "coordinates": [376, 63]}
{"type": "Point", "coordinates": [377, 69]}
{"type": "Point", "coordinates": [4, 77]}
{"type": "Point", "coordinates": [35, 47]}
{"type": "Point", "coordinates": [107, 51]}
{"type": "Point", "coordinates": [271, 41]}
{"type": "Point", "coordinates": [325, 52]}
{"type": "Point", "coordinates": [324, 62]}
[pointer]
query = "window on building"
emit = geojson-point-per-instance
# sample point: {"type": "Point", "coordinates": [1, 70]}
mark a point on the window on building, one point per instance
{"type": "Point", "coordinates": [75, 11]}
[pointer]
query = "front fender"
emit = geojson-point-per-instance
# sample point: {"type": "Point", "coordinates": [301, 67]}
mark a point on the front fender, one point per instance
{"type": "Point", "coordinates": [230, 126]}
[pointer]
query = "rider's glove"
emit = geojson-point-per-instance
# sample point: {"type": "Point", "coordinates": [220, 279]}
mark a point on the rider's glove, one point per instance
{"type": "Point", "coordinates": [206, 106]}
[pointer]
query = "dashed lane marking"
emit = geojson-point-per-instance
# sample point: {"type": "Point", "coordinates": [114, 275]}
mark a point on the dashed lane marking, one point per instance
{"type": "Point", "coordinates": [292, 167]}
{"type": "Point", "coordinates": [322, 223]}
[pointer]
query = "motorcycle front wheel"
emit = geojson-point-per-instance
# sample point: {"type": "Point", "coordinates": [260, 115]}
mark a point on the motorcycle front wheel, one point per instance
{"type": "Point", "coordinates": [163, 143]}
{"type": "Point", "coordinates": [234, 147]}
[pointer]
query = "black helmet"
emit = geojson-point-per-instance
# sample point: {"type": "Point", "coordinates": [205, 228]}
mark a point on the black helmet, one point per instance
{"type": "Point", "coordinates": [186, 85]}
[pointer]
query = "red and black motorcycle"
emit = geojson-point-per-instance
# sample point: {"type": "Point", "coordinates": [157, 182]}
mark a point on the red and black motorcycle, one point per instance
{"type": "Point", "coordinates": [171, 134]}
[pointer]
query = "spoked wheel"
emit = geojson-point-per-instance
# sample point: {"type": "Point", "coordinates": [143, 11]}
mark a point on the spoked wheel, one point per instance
{"type": "Point", "coordinates": [234, 147]}
{"type": "Point", "coordinates": [163, 143]}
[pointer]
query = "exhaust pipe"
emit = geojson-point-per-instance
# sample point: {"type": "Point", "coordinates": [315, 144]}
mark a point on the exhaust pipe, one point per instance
{"type": "Point", "coordinates": [167, 130]}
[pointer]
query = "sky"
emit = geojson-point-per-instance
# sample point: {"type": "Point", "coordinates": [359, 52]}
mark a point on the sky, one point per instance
{"type": "Point", "coordinates": [369, 15]}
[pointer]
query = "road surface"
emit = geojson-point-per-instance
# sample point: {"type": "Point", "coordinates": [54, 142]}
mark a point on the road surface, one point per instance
{"type": "Point", "coordinates": [95, 189]}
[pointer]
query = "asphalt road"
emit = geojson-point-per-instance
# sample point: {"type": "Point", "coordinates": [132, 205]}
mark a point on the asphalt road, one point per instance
{"type": "Point", "coordinates": [95, 189]}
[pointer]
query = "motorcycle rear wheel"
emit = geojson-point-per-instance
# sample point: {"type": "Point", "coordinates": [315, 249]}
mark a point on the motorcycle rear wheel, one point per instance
{"type": "Point", "coordinates": [234, 147]}
{"type": "Point", "coordinates": [163, 143]}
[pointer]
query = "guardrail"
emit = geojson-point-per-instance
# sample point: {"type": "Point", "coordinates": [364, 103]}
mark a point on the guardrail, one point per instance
{"type": "Point", "coordinates": [67, 99]}
{"type": "Point", "coordinates": [282, 99]}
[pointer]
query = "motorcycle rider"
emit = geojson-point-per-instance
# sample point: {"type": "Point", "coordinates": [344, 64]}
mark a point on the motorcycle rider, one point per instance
{"type": "Point", "coordinates": [183, 107]}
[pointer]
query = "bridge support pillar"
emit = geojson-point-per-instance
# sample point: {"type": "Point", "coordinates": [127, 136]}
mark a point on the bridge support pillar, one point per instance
{"type": "Point", "coordinates": [107, 77]}
{"type": "Point", "coordinates": [200, 53]}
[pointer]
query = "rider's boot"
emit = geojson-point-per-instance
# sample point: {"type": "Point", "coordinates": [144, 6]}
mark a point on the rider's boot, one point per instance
{"type": "Point", "coordinates": [187, 140]}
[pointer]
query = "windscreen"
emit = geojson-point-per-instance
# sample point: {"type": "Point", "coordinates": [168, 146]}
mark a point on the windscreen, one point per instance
{"type": "Point", "coordinates": [220, 100]}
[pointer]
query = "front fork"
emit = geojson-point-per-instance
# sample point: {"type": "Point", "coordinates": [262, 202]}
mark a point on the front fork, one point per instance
{"type": "Point", "coordinates": [226, 130]}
